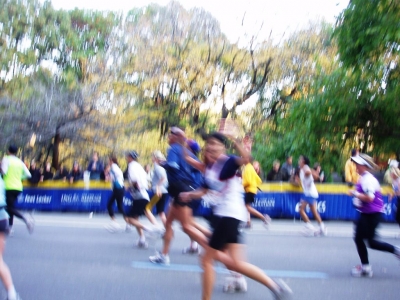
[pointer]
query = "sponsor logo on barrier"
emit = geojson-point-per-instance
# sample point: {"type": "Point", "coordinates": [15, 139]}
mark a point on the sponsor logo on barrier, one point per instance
{"type": "Point", "coordinates": [321, 207]}
{"type": "Point", "coordinates": [32, 199]}
{"type": "Point", "coordinates": [264, 202]}
{"type": "Point", "coordinates": [85, 198]}
{"type": "Point", "coordinates": [69, 198]}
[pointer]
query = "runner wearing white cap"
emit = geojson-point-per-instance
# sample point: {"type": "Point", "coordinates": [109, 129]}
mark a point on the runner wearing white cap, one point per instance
{"type": "Point", "coordinates": [368, 199]}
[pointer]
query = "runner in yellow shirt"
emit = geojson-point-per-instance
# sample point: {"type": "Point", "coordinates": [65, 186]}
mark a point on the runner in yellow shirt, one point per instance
{"type": "Point", "coordinates": [251, 181]}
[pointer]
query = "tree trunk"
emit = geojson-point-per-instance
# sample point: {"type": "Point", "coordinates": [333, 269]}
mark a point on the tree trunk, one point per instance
{"type": "Point", "coordinates": [56, 151]}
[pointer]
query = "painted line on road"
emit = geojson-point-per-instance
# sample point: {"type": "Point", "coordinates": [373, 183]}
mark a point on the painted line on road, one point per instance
{"type": "Point", "coordinates": [220, 270]}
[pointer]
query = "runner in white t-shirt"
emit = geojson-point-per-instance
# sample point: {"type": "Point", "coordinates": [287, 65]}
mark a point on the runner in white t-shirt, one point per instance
{"type": "Point", "coordinates": [137, 178]}
{"type": "Point", "coordinates": [310, 196]}
{"type": "Point", "coordinates": [225, 244]}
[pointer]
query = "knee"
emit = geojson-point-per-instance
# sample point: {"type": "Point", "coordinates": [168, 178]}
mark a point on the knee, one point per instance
{"type": "Point", "coordinates": [372, 243]}
{"type": "Point", "coordinates": [186, 228]}
{"type": "Point", "coordinates": [206, 261]}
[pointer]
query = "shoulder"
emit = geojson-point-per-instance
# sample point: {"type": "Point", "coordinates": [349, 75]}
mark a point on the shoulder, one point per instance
{"type": "Point", "coordinates": [370, 179]}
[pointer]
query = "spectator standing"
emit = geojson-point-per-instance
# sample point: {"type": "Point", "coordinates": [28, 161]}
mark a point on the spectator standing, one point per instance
{"type": "Point", "coordinates": [321, 175]}
{"type": "Point", "coordinates": [287, 169]}
{"type": "Point", "coordinates": [47, 173]}
{"type": "Point", "coordinates": [75, 174]}
{"type": "Point", "coordinates": [35, 173]}
{"type": "Point", "coordinates": [14, 171]}
{"type": "Point", "coordinates": [350, 172]}
{"type": "Point", "coordinates": [275, 174]}
{"type": "Point", "coordinates": [95, 167]}
{"type": "Point", "coordinates": [62, 173]}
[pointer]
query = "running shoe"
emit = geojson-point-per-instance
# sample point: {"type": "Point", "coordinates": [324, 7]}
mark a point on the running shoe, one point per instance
{"type": "Point", "coordinates": [154, 232]}
{"type": "Point", "coordinates": [323, 231]}
{"type": "Point", "coordinates": [17, 297]}
{"type": "Point", "coordinates": [10, 231]}
{"type": "Point", "coordinates": [30, 225]}
{"type": "Point", "coordinates": [397, 251]}
{"type": "Point", "coordinates": [142, 244]}
{"type": "Point", "coordinates": [113, 227]}
{"type": "Point", "coordinates": [241, 284]}
{"type": "Point", "coordinates": [284, 292]}
{"type": "Point", "coordinates": [359, 271]}
{"type": "Point", "coordinates": [191, 250]}
{"type": "Point", "coordinates": [235, 283]}
{"type": "Point", "coordinates": [267, 221]}
{"type": "Point", "coordinates": [128, 228]}
{"type": "Point", "coordinates": [160, 258]}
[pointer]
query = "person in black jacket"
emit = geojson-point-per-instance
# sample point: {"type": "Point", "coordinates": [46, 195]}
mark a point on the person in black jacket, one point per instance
{"type": "Point", "coordinates": [47, 173]}
{"type": "Point", "coordinates": [275, 173]}
{"type": "Point", "coordinates": [35, 172]}
{"type": "Point", "coordinates": [75, 174]}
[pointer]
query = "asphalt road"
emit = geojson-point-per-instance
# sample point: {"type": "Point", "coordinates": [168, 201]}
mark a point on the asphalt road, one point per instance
{"type": "Point", "coordinates": [72, 256]}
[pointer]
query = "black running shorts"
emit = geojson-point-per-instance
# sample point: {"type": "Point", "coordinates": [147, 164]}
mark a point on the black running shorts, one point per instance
{"type": "Point", "coordinates": [4, 227]}
{"type": "Point", "coordinates": [226, 232]}
{"type": "Point", "coordinates": [249, 198]}
{"type": "Point", "coordinates": [138, 208]}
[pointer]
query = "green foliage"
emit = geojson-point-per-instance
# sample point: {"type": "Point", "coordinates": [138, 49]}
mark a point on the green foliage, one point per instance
{"type": "Point", "coordinates": [368, 30]}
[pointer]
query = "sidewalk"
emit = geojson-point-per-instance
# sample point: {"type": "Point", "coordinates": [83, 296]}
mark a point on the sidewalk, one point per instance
{"type": "Point", "coordinates": [277, 227]}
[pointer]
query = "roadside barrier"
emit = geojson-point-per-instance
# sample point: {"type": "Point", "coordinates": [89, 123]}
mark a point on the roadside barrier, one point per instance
{"type": "Point", "coordinates": [279, 200]}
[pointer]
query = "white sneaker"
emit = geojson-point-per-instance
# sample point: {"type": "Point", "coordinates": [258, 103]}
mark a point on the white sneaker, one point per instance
{"type": "Point", "coordinates": [113, 227]}
{"type": "Point", "coordinates": [142, 244]}
{"type": "Point", "coordinates": [17, 297]}
{"type": "Point", "coordinates": [10, 231]}
{"type": "Point", "coordinates": [30, 225]}
{"type": "Point", "coordinates": [160, 258]}
{"type": "Point", "coordinates": [359, 271]}
{"type": "Point", "coordinates": [284, 292]}
{"type": "Point", "coordinates": [397, 251]}
{"type": "Point", "coordinates": [323, 231]}
{"type": "Point", "coordinates": [235, 283]}
{"type": "Point", "coordinates": [191, 250]}
{"type": "Point", "coordinates": [128, 228]}
{"type": "Point", "coordinates": [154, 232]}
{"type": "Point", "coordinates": [267, 221]}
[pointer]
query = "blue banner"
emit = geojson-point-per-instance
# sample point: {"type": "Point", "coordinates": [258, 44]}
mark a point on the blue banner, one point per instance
{"type": "Point", "coordinates": [278, 201]}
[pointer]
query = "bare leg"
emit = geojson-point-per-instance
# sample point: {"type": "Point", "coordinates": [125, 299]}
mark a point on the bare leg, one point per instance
{"type": "Point", "coordinates": [151, 217]}
{"type": "Point", "coordinates": [202, 229]}
{"type": "Point", "coordinates": [208, 272]}
{"type": "Point", "coordinates": [185, 217]}
{"type": "Point", "coordinates": [254, 212]}
{"type": "Point", "coordinates": [135, 222]}
{"type": "Point", "coordinates": [315, 213]}
{"type": "Point", "coordinates": [163, 218]}
{"type": "Point", "coordinates": [5, 274]}
{"type": "Point", "coordinates": [169, 233]}
{"type": "Point", "coordinates": [303, 214]}
{"type": "Point", "coordinates": [233, 260]}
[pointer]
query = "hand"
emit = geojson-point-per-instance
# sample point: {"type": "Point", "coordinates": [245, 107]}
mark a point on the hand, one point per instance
{"type": "Point", "coordinates": [354, 193]}
{"type": "Point", "coordinates": [158, 192]}
{"type": "Point", "coordinates": [184, 197]}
